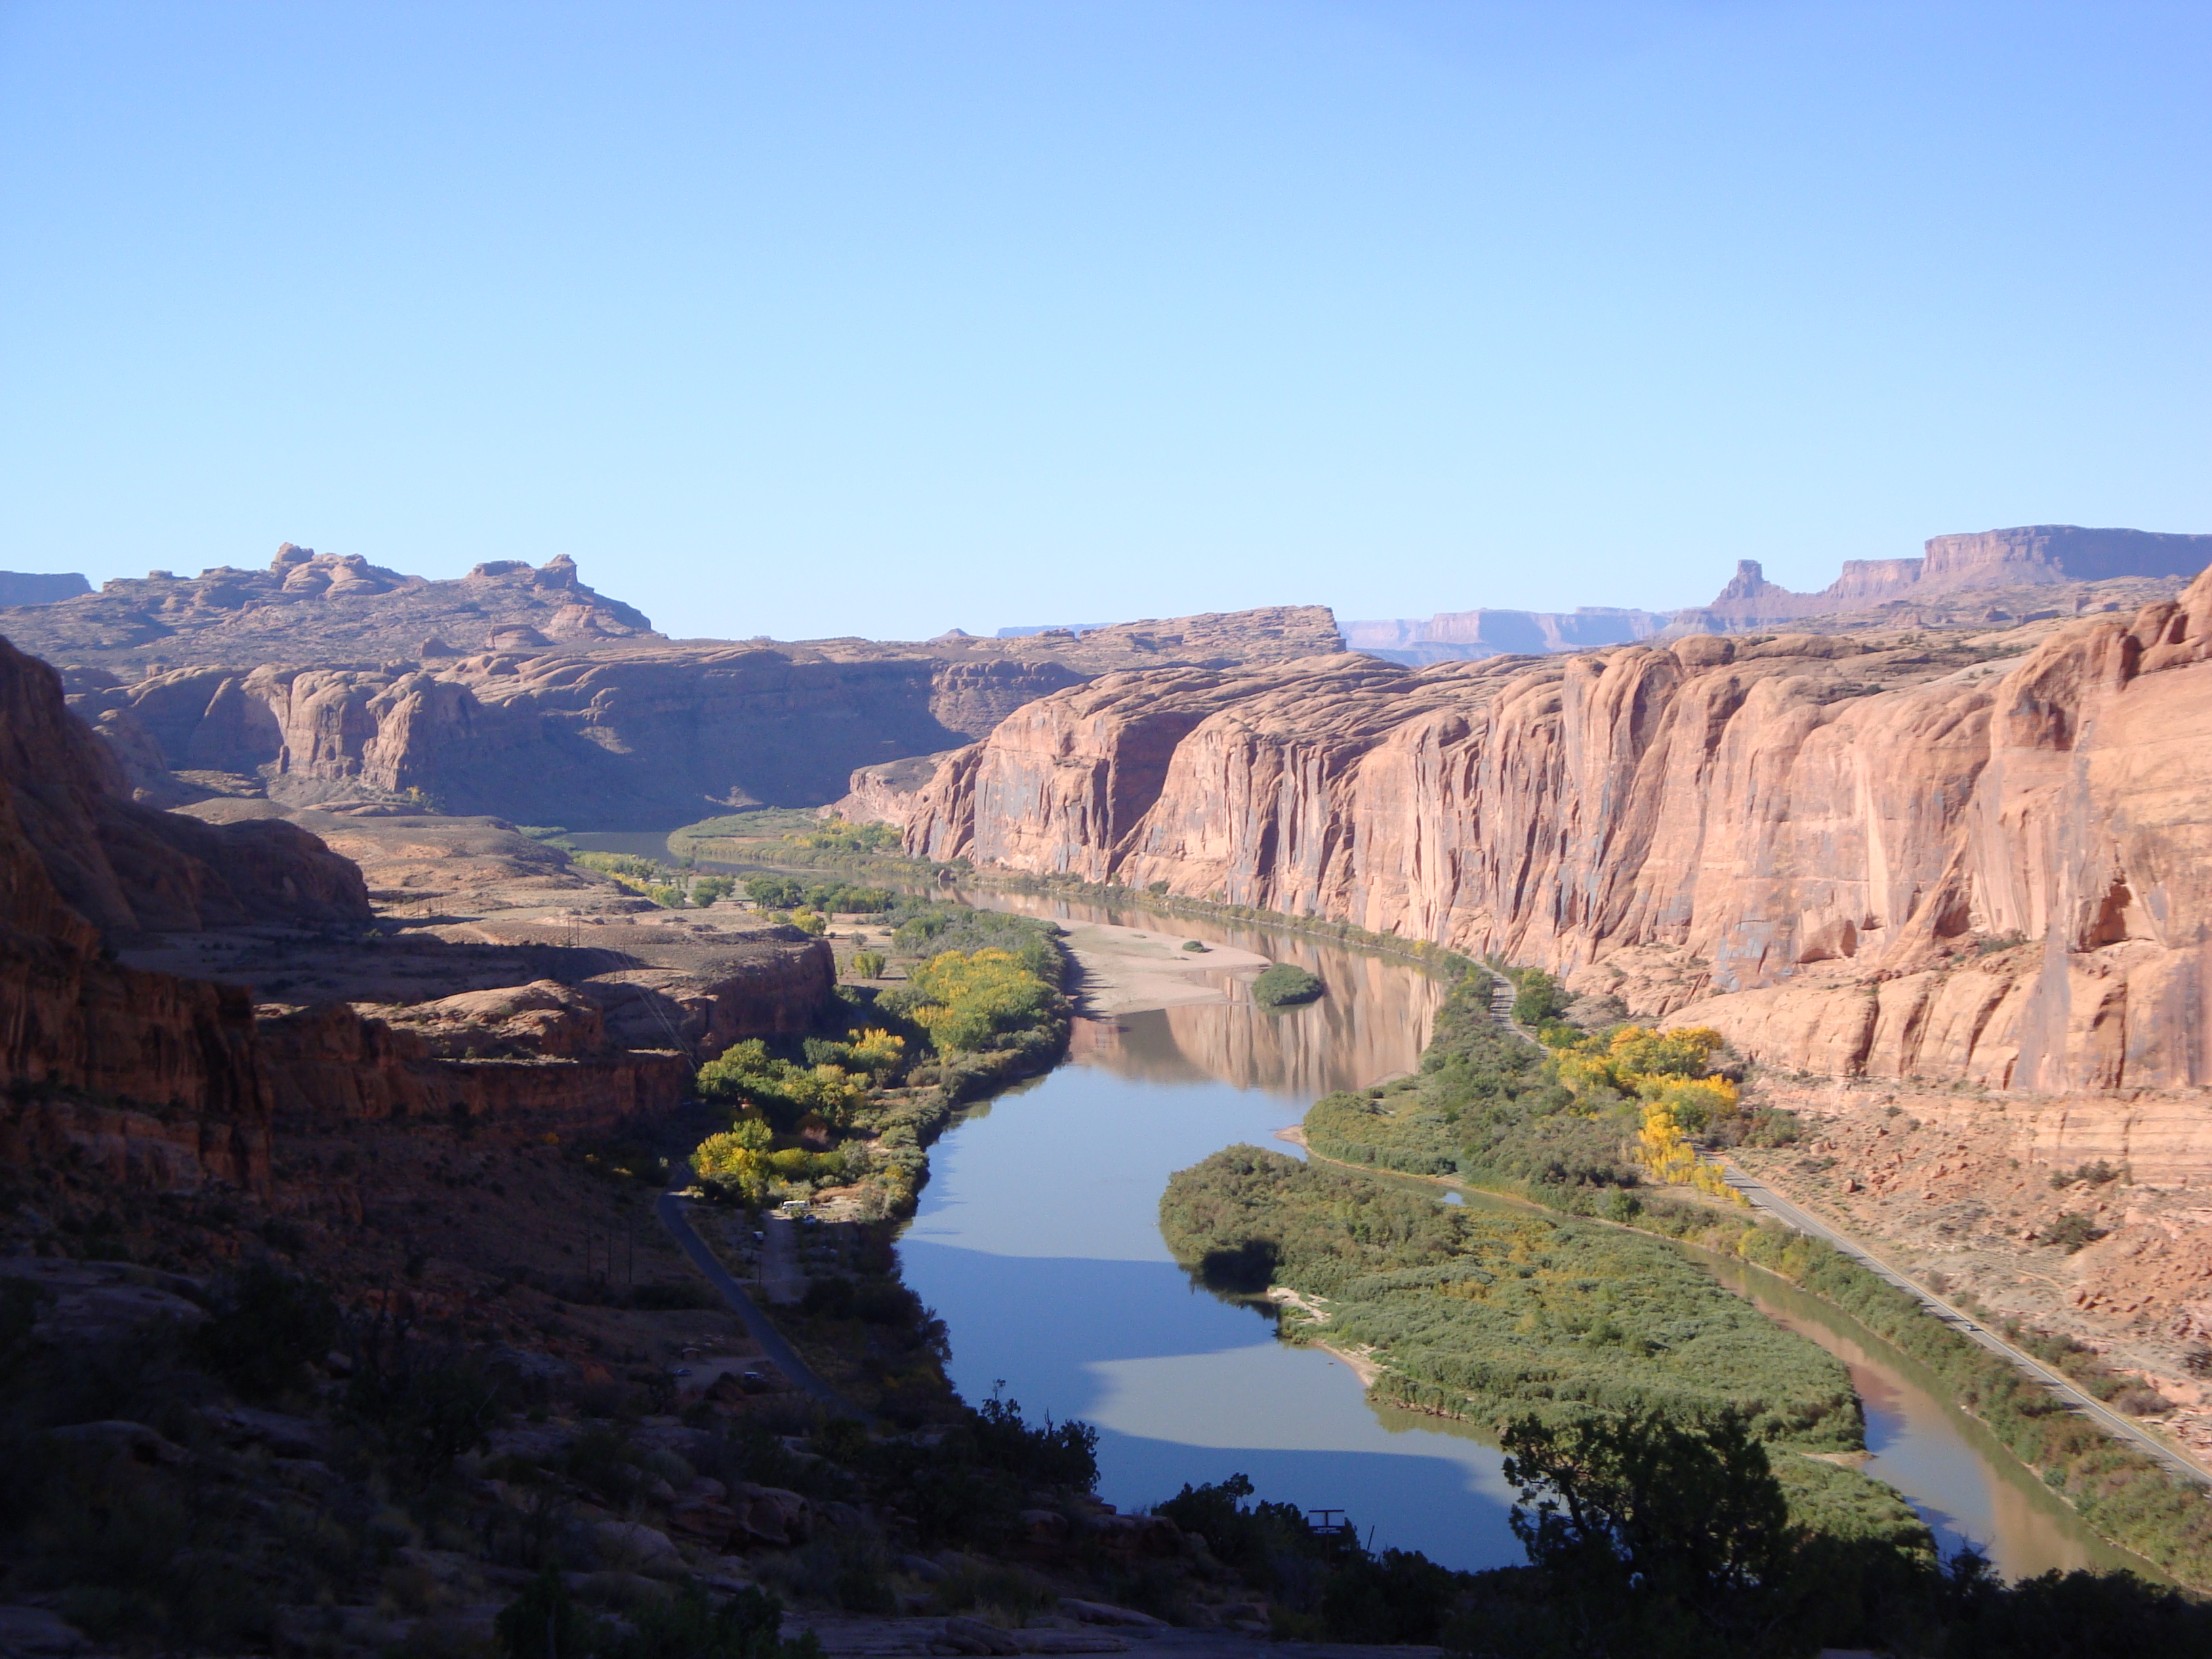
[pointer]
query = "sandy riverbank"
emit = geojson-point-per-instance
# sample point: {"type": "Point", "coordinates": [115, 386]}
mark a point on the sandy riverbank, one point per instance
{"type": "Point", "coordinates": [1126, 971]}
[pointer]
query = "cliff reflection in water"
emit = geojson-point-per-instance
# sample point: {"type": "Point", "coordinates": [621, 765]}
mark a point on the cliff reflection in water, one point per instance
{"type": "Point", "coordinates": [1376, 1013]}
{"type": "Point", "coordinates": [1037, 1240]}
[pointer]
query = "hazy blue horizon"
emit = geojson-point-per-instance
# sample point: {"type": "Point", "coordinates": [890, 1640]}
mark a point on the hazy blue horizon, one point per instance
{"type": "Point", "coordinates": [868, 317]}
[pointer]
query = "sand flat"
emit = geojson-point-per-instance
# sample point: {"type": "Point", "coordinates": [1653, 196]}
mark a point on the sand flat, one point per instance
{"type": "Point", "coordinates": [1124, 971]}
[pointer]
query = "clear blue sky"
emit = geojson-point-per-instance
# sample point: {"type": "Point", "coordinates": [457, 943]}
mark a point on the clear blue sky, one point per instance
{"type": "Point", "coordinates": [818, 317]}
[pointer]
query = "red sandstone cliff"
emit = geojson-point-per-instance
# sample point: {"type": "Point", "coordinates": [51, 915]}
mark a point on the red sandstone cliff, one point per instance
{"type": "Point", "coordinates": [618, 736]}
{"type": "Point", "coordinates": [80, 867]}
{"type": "Point", "coordinates": [162, 1080]}
{"type": "Point", "coordinates": [1808, 840]}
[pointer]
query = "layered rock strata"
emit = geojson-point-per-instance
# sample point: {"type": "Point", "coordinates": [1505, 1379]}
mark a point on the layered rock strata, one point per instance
{"type": "Point", "coordinates": [1810, 842]}
{"type": "Point", "coordinates": [321, 607]}
{"type": "Point", "coordinates": [133, 943]}
{"type": "Point", "coordinates": [520, 692]}
{"type": "Point", "coordinates": [2046, 556]}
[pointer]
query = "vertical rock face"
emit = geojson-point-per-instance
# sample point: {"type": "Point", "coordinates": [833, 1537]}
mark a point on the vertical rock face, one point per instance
{"type": "Point", "coordinates": [1813, 843]}
{"type": "Point", "coordinates": [80, 866]}
{"type": "Point", "coordinates": [642, 736]}
{"type": "Point", "coordinates": [157, 1080]}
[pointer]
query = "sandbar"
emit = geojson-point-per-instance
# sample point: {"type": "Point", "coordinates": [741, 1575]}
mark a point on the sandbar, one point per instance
{"type": "Point", "coordinates": [1126, 971]}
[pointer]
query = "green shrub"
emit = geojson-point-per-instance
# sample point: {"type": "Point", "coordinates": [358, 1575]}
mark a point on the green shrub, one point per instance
{"type": "Point", "coordinates": [745, 1625]}
{"type": "Point", "coordinates": [2071, 1232]}
{"type": "Point", "coordinates": [1537, 996]}
{"type": "Point", "coordinates": [1282, 985]}
{"type": "Point", "coordinates": [1476, 1312]}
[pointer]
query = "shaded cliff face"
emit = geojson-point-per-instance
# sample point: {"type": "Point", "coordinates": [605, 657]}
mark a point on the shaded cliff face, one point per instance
{"type": "Point", "coordinates": [1809, 841]}
{"type": "Point", "coordinates": [642, 735]}
{"type": "Point", "coordinates": [160, 1080]}
{"type": "Point", "coordinates": [80, 868]}
{"type": "Point", "coordinates": [649, 739]}
{"type": "Point", "coordinates": [126, 869]}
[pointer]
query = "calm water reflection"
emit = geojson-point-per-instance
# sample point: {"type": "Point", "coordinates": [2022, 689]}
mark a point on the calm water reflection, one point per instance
{"type": "Point", "coordinates": [1962, 1481]}
{"type": "Point", "coordinates": [1038, 1241]}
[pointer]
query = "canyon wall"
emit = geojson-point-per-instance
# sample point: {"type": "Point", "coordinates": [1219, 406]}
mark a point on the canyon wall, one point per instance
{"type": "Point", "coordinates": [80, 868]}
{"type": "Point", "coordinates": [1913, 861]}
{"type": "Point", "coordinates": [328, 681]}
{"type": "Point", "coordinates": [641, 739]}
{"type": "Point", "coordinates": [164, 1081]}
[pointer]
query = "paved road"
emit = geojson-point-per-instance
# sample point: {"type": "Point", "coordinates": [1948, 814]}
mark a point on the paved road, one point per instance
{"type": "Point", "coordinates": [780, 1353]}
{"type": "Point", "coordinates": [1762, 1197]}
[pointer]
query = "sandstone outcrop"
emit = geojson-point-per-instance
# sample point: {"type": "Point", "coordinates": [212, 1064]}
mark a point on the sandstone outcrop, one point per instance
{"type": "Point", "coordinates": [1806, 842]}
{"type": "Point", "coordinates": [1971, 581]}
{"type": "Point", "coordinates": [329, 683]}
{"type": "Point", "coordinates": [126, 869]}
{"type": "Point", "coordinates": [82, 869]}
{"type": "Point", "coordinates": [317, 608]}
{"type": "Point", "coordinates": [884, 794]}
{"type": "Point", "coordinates": [133, 943]}
{"type": "Point", "coordinates": [2033, 556]}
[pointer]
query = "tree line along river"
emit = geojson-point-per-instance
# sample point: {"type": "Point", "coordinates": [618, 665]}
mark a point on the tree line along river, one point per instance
{"type": "Point", "coordinates": [1037, 1240]}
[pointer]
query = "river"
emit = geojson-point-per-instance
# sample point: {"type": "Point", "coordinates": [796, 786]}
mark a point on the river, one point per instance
{"type": "Point", "coordinates": [1038, 1240]}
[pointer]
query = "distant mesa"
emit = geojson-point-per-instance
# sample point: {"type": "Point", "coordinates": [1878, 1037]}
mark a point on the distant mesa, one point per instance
{"type": "Point", "coordinates": [1959, 580]}
{"type": "Point", "coordinates": [1452, 635]}
{"type": "Point", "coordinates": [1073, 630]}
{"type": "Point", "coordinates": [2033, 556]}
{"type": "Point", "coordinates": [21, 587]}
{"type": "Point", "coordinates": [321, 610]}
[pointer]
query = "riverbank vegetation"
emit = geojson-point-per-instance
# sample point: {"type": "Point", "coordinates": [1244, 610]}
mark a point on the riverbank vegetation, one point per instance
{"type": "Point", "coordinates": [791, 837]}
{"type": "Point", "coordinates": [1567, 1124]}
{"type": "Point", "coordinates": [846, 1112]}
{"type": "Point", "coordinates": [1284, 985]}
{"type": "Point", "coordinates": [1673, 1449]}
{"type": "Point", "coordinates": [1481, 1313]}
{"type": "Point", "coordinates": [1654, 1537]}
